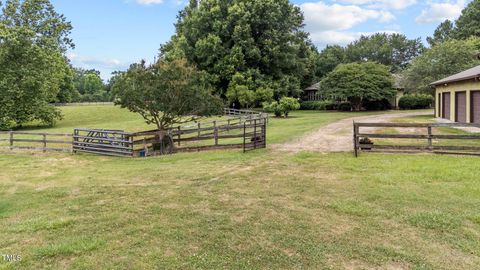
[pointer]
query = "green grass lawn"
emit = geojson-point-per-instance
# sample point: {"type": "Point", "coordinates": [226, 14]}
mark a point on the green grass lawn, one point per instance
{"type": "Point", "coordinates": [229, 210]}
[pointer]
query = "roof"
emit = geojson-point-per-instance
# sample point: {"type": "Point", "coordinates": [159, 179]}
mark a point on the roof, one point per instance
{"type": "Point", "coordinates": [314, 87]}
{"type": "Point", "coordinates": [462, 76]}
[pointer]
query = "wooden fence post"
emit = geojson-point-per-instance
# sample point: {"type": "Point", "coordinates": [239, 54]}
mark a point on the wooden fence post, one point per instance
{"type": "Point", "coordinates": [179, 135]}
{"type": "Point", "coordinates": [244, 136]}
{"type": "Point", "coordinates": [355, 138]}
{"type": "Point", "coordinates": [430, 140]}
{"type": "Point", "coordinates": [44, 143]}
{"type": "Point", "coordinates": [255, 134]}
{"type": "Point", "coordinates": [215, 132]}
{"type": "Point", "coordinates": [199, 126]}
{"type": "Point", "coordinates": [11, 140]}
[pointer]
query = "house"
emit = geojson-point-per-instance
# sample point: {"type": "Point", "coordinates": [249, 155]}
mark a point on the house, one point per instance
{"type": "Point", "coordinates": [313, 93]}
{"type": "Point", "coordinates": [457, 98]}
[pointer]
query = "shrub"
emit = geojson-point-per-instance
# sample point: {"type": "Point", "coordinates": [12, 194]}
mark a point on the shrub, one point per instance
{"type": "Point", "coordinates": [273, 107]}
{"type": "Point", "coordinates": [289, 104]}
{"type": "Point", "coordinates": [345, 107]}
{"type": "Point", "coordinates": [317, 105]}
{"type": "Point", "coordinates": [283, 107]}
{"type": "Point", "coordinates": [377, 105]}
{"type": "Point", "coordinates": [415, 101]}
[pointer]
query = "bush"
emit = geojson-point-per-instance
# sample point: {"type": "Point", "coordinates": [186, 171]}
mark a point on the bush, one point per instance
{"type": "Point", "coordinates": [317, 105]}
{"type": "Point", "coordinates": [273, 107]}
{"type": "Point", "coordinates": [377, 105]}
{"type": "Point", "coordinates": [283, 107]}
{"type": "Point", "coordinates": [345, 107]}
{"type": "Point", "coordinates": [415, 102]}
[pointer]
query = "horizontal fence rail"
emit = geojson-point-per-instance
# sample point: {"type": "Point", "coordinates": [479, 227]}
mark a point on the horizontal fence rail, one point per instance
{"type": "Point", "coordinates": [424, 132]}
{"type": "Point", "coordinates": [36, 141]}
{"type": "Point", "coordinates": [103, 142]}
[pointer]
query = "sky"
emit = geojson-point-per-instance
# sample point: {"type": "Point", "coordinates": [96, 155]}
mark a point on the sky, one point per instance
{"type": "Point", "coordinates": [111, 34]}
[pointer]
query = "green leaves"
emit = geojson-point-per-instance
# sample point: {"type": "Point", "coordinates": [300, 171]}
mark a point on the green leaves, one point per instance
{"type": "Point", "coordinates": [166, 93]}
{"type": "Point", "coordinates": [262, 40]}
{"type": "Point", "coordinates": [467, 25]}
{"type": "Point", "coordinates": [393, 50]}
{"type": "Point", "coordinates": [440, 61]}
{"type": "Point", "coordinates": [282, 107]}
{"type": "Point", "coordinates": [357, 82]}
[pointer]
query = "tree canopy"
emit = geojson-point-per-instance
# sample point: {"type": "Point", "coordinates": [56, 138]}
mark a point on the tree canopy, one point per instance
{"type": "Point", "coordinates": [166, 93]}
{"type": "Point", "coordinates": [358, 82]}
{"type": "Point", "coordinates": [393, 50]}
{"type": "Point", "coordinates": [328, 59]}
{"type": "Point", "coordinates": [33, 67]}
{"type": "Point", "coordinates": [90, 86]}
{"type": "Point", "coordinates": [467, 25]}
{"type": "Point", "coordinates": [440, 61]}
{"type": "Point", "coordinates": [261, 41]}
{"type": "Point", "coordinates": [443, 33]}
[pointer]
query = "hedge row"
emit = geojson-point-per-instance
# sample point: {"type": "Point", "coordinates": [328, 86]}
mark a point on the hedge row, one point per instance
{"type": "Point", "coordinates": [415, 101]}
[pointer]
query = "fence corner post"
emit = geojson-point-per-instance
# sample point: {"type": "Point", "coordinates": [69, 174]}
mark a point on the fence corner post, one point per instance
{"type": "Point", "coordinates": [355, 138]}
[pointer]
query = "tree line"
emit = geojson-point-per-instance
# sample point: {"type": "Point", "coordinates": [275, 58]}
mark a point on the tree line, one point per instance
{"type": "Point", "coordinates": [244, 53]}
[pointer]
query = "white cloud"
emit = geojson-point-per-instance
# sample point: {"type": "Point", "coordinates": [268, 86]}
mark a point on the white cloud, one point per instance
{"type": "Point", "coordinates": [438, 12]}
{"type": "Point", "coordinates": [330, 24]}
{"type": "Point", "coordinates": [149, 2]}
{"type": "Point", "coordinates": [384, 4]}
{"type": "Point", "coordinates": [90, 62]}
{"type": "Point", "coordinates": [321, 17]}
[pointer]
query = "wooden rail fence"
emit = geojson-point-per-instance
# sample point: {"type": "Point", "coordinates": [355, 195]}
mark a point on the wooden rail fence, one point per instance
{"type": "Point", "coordinates": [242, 129]}
{"type": "Point", "coordinates": [429, 136]}
{"type": "Point", "coordinates": [36, 141]}
{"type": "Point", "coordinates": [246, 134]}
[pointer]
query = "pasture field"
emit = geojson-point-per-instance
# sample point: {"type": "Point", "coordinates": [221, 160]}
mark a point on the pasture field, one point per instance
{"type": "Point", "coordinates": [228, 210]}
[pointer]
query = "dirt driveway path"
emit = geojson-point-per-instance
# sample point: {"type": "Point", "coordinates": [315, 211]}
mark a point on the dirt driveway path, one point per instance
{"type": "Point", "coordinates": [338, 136]}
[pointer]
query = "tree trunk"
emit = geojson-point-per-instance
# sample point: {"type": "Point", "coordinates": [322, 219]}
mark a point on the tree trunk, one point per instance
{"type": "Point", "coordinates": [356, 104]}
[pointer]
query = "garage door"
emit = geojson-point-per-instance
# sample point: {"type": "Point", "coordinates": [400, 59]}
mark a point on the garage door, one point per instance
{"type": "Point", "coordinates": [476, 107]}
{"type": "Point", "coordinates": [446, 105]}
{"type": "Point", "coordinates": [461, 107]}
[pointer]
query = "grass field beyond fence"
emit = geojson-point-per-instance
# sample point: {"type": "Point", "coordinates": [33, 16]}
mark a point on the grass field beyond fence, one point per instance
{"type": "Point", "coordinates": [229, 210]}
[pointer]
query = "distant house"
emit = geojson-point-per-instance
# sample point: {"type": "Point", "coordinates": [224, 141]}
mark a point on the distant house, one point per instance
{"type": "Point", "coordinates": [457, 98]}
{"type": "Point", "coordinates": [313, 93]}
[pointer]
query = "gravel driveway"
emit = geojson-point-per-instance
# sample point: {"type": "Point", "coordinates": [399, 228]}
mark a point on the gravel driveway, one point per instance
{"type": "Point", "coordinates": [338, 136]}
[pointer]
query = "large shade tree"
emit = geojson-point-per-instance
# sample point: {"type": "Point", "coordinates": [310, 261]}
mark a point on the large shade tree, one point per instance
{"type": "Point", "coordinates": [443, 33]}
{"type": "Point", "coordinates": [262, 41]}
{"type": "Point", "coordinates": [33, 66]}
{"type": "Point", "coordinates": [467, 25]}
{"type": "Point", "coordinates": [166, 93]}
{"type": "Point", "coordinates": [359, 82]}
{"type": "Point", "coordinates": [440, 61]}
{"type": "Point", "coordinates": [393, 50]}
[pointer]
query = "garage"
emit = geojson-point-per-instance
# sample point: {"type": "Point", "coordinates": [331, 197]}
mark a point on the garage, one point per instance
{"type": "Point", "coordinates": [459, 97]}
{"type": "Point", "coordinates": [446, 106]}
{"type": "Point", "coordinates": [475, 106]}
{"type": "Point", "coordinates": [461, 107]}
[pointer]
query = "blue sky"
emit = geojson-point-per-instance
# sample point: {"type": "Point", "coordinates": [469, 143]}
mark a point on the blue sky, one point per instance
{"type": "Point", "coordinates": [111, 34]}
